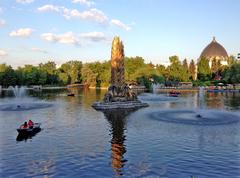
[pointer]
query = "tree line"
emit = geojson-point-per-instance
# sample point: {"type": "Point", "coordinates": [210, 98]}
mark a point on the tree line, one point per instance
{"type": "Point", "coordinates": [97, 74]}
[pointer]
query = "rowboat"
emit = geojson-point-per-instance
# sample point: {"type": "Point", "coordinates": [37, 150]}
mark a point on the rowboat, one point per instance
{"type": "Point", "coordinates": [70, 94]}
{"type": "Point", "coordinates": [30, 130]}
{"type": "Point", "coordinates": [174, 93]}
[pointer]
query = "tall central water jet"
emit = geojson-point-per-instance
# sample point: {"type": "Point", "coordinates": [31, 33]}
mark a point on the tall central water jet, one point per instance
{"type": "Point", "coordinates": [119, 95]}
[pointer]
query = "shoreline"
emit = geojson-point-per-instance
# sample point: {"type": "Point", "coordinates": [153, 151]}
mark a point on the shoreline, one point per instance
{"type": "Point", "coordinates": [43, 88]}
{"type": "Point", "coordinates": [194, 89]}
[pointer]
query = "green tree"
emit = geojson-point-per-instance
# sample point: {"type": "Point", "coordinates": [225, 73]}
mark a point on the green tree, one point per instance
{"type": "Point", "coordinates": [31, 75]}
{"type": "Point", "coordinates": [70, 72]}
{"type": "Point", "coordinates": [192, 70]}
{"type": "Point", "coordinates": [132, 65]}
{"type": "Point", "coordinates": [185, 71]}
{"type": "Point", "coordinates": [7, 75]}
{"type": "Point", "coordinates": [177, 72]}
{"type": "Point", "coordinates": [42, 77]}
{"type": "Point", "coordinates": [232, 74]}
{"type": "Point", "coordinates": [161, 69]}
{"type": "Point", "coordinates": [185, 64]}
{"type": "Point", "coordinates": [143, 80]}
{"type": "Point", "coordinates": [51, 70]}
{"type": "Point", "coordinates": [88, 76]}
{"type": "Point", "coordinates": [145, 76]}
{"type": "Point", "coordinates": [102, 72]}
{"type": "Point", "coordinates": [204, 72]}
{"type": "Point", "coordinates": [158, 78]}
{"type": "Point", "coordinates": [75, 74]}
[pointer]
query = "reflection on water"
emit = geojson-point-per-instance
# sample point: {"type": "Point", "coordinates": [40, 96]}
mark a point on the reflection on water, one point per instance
{"type": "Point", "coordinates": [224, 100]}
{"type": "Point", "coordinates": [26, 136]}
{"type": "Point", "coordinates": [42, 167]}
{"type": "Point", "coordinates": [197, 100]}
{"type": "Point", "coordinates": [117, 121]}
{"type": "Point", "coordinates": [75, 138]}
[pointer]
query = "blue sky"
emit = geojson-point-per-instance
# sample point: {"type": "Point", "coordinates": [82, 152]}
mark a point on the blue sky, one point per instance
{"type": "Point", "coordinates": [34, 31]}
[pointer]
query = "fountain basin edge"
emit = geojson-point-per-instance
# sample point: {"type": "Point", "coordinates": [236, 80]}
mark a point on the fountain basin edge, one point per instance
{"type": "Point", "coordinates": [119, 105]}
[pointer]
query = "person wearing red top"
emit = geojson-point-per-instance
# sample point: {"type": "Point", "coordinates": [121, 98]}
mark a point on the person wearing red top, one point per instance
{"type": "Point", "coordinates": [30, 124]}
{"type": "Point", "coordinates": [24, 126]}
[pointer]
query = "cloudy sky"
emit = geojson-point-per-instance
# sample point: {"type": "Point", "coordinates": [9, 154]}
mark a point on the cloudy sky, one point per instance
{"type": "Point", "coordinates": [34, 31]}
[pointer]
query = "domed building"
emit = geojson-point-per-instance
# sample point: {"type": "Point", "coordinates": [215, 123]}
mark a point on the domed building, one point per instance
{"type": "Point", "coordinates": [214, 50]}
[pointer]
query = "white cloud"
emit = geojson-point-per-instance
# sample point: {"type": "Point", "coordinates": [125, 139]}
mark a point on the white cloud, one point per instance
{"type": "Point", "coordinates": [49, 7]}
{"type": "Point", "coordinates": [24, 1]}
{"type": "Point", "coordinates": [2, 22]}
{"type": "Point", "coordinates": [85, 2]}
{"type": "Point", "coordinates": [91, 15]}
{"type": "Point", "coordinates": [120, 24]}
{"type": "Point", "coordinates": [3, 53]}
{"type": "Point", "coordinates": [94, 36]}
{"type": "Point", "coordinates": [75, 39]}
{"type": "Point", "coordinates": [1, 10]}
{"type": "Point", "coordinates": [22, 32]}
{"type": "Point", "coordinates": [39, 50]}
{"type": "Point", "coordinates": [66, 38]}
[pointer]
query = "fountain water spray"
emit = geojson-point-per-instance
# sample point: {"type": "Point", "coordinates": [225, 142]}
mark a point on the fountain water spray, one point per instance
{"type": "Point", "coordinates": [18, 92]}
{"type": "Point", "coordinates": [22, 102]}
{"type": "Point", "coordinates": [201, 98]}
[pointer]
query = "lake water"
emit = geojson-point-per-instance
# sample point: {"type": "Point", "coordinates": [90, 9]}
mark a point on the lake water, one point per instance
{"type": "Point", "coordinates": [166, 140]}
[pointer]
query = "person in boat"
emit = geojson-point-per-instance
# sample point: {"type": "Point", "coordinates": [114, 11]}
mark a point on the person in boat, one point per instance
{"type": "Point", "coordinates": [24, 126]}
{"type": "Point", "coordinates": [30, 124]}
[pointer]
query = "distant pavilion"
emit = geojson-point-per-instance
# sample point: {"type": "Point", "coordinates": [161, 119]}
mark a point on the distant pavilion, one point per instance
{"type": "Point", "coordinates": [214, 50]}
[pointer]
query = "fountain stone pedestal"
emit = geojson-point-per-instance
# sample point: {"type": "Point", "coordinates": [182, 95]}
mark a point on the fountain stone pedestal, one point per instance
{"type": "Point", "coordinates": [129, 105]}
{"type": "Point", "coordinates": [119, 95]}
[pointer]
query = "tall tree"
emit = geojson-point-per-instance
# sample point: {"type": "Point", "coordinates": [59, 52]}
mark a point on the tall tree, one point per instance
{"type": "Point", "coordinates": [204, 72]}
{"type": "Point", "coordinates": [50, 68]}
{"type": "Point", "coordinates": [88, 76]}
{"type": "Point", "coordinates": [175, 68]}
{"type": "Point", "coordinates": [192, 70]}
{"type": "Point", "coordinates": [177, 71]}
{"type": "Point", "coordinates": [185, 71]}
{"type": "Point", "coordinates": [64, 73]}
{"type": "Point", "coordinates": [185, 64]}
{"type": "Point", "coordinates": [75, 71]}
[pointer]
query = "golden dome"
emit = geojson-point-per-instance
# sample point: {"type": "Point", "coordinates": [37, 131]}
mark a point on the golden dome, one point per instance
{"type": "Point", "coordinates": [214, 50]}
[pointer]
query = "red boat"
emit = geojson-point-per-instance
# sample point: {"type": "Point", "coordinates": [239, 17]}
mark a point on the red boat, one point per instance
{"type": "Point", "coordinates": [174, 93]}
